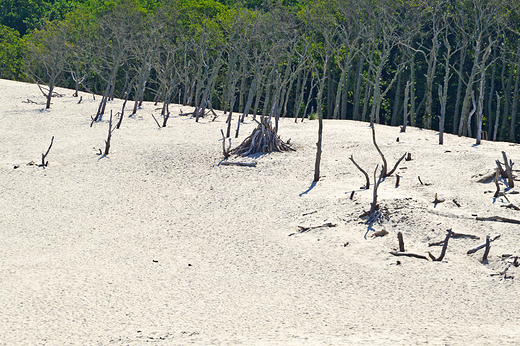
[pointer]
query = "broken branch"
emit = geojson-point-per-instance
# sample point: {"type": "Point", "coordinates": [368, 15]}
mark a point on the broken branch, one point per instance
{"type": "Point", "coordinates": [367, 186]}
{"type": "Point", "coordinates": [483, 245]}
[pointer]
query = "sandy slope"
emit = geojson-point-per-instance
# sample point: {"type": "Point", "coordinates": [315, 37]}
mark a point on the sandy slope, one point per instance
{"type": "Point", "coordinates": [157, 243]}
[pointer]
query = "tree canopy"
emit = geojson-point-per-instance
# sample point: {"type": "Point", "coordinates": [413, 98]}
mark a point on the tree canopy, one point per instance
{"type": "Point", "coordinates": [428, 63]}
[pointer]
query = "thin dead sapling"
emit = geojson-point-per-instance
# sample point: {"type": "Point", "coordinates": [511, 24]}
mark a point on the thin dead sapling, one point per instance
{"type": "Point", "coordinates": [109, 137]}
{"type": "Point", "coordinates": [45, 163]}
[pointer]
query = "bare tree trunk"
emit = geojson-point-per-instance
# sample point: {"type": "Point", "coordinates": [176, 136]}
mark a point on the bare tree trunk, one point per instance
{"type": "Point", "coordinates": [357, 90]}
{"type": "Point", "coordinates": [497, 119]}
{"type": "Point", "coordinates": [480, 112]}
{"type": "Point", "coordinates": [491, 94]}
{"type": "Point", "coordinates": [412, 91]}
{"type": "Point", "coordinates": [456, 113]}
{"type": "Point", "coordinates": [507, 103]}
{"type": "Point", "coordinates": [514, 109]}
{"type": "Point", "coordinates": [405, 106]}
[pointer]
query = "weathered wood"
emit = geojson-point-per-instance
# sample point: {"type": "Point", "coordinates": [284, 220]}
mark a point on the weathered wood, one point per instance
{"type": "Point", "coordinates": [498, 218]}
{"type": "Point", "coordinates": [511, 206]}
{"type": "Point", "coordinates": [367, 186]}
{"type": "Point", "coordinates": [396, 164]}
{"type": "Point", "coordinates": [158, 125]}
{"type": "Point", "coordinates": [444, 247]}
{"type": "Point", "coordinates": [401, 241]}
{"type": "Point", "coordinates": [245, 164]}
{"type": "Point", "coordinates": [483, 245]}
{"type": "Point", "coordinates": [109, 137]}
{"type": "Point", "coordinates": [395, 253]}
{"type": "Point", "coordinates": [509, 166]}
{"type": "Point", "coordinates": [303, 229]}
{"type": "Point", "coordinates": [497, 193]}
{"type": "Point", "coordinates": [224, 150]}
{"type": "Point", "coordinates": [373, 214]}
{"type": "Point", "coordinates": [455, 235]}
{"type": "Point", "coordinates": [486, 252]}
{"type": "Point", "coordinates": [437, 200]}
{"type": "Point", "coordinates": [44, 164]}
{"type": "Point", "coordinates": [385, 165]}
{"type": "Point", "coordinates": [262, 140]}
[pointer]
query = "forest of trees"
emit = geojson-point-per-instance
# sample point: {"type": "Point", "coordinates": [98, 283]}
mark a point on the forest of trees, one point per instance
{"type": "Point", "coordinates": [450, 65]}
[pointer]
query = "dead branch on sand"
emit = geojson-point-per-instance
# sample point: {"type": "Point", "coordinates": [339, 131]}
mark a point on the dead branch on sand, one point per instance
{"type": "Point", "coordinates": [486, 252]}
{"type": "Point", "coordinates": [511, 206]}
{"type": "Point", "coordinates": [444, 247]}
{"type": "Point", "coordinates": [407, 254]}
{"type": "Point", "coordinates": [303, 229]}
{"type": "Point", "coordinates": [244, 164]}
{"type": "Point", "coordinates": [455, 235]}
{"type": "Point", "coordinates": [483, 245]}
{"type": "Point", "coordinates": [401, 241]}
{"type": "Point", "coordinates": [498, 218]}
{"type": "Point", "coordinates": [437, 200]}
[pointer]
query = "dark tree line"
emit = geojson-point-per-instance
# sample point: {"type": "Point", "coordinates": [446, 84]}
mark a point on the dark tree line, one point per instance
{"type": "Point", "coordinates": [439, 64]}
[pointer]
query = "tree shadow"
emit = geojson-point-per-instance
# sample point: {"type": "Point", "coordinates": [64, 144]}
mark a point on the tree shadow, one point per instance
{"type": "Point", "coordinates": [369, 228]}
{"type": "Point", "coordinates": [309, 189]}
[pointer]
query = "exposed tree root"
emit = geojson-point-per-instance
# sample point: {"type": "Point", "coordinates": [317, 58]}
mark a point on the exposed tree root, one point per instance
{"type": "Point", "coordinates": [264, 139]}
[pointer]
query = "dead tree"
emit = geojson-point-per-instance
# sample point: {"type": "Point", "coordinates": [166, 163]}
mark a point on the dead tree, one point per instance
{"type": "Point", "coordinates": [508, 170]}
{"type": "Point", "coordinates": [374, 213]}
{"type": "Point", "coordinates": [45, 163]}
{"type": "Point", "coordinates": [485, 18]}
{"type": "Point", "coordinates": [46, 57]}
{"type": "Point", "coordinates": [118, 30]}
{"type": "Point", "coordinates": [264, 139]}
{"type": "Point", "coordinates": [109, 137]}
{"type": "Point", "coordinates": [443, 90]}
{"type": "Point", "coordinates": [224, 150]}
{"type": "Point", "coordinates": [405, 106]}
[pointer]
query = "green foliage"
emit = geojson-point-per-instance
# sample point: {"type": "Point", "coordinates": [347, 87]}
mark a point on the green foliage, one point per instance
{"type": "Point", "coordinates": [26, 15]}
{"type": "Point", "coordinates": [11, 53]}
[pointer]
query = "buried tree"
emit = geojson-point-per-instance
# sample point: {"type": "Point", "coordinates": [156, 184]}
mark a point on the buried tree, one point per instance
{"type": "Point", "coordinates": [264, 139]}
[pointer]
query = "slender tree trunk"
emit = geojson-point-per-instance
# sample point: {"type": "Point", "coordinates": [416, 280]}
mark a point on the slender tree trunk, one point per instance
{"type": "Point", "coordinates": [497, 119]}
{"type": "Point", "coordinates": [491, 93]}
{"type": "Point", "coordinates": [456, 112]}
{"type": "Point", "coordinates": [341, 85]}
{"type": "Point", "coordinates": [344, 100]}
{"type": "Point", "coordinates": [412, 91]}
{"type": "Point", "coordinates": [507, 102]}
{"type": "Point", "coordinates": [397, 104]}
{"type": "Point", "coordinates": [357, 90]}
{"type": "Point", "coordinates": [480, 111]}
{"type": "Point", "coordinates": [514, 109]}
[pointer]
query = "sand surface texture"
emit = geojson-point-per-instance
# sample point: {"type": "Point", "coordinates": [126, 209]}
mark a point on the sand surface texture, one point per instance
{"type": "Point", "coordinates": [157, 243]}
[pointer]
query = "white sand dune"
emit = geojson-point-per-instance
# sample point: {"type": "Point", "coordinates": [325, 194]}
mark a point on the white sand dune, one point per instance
{"type": "Point", "coordinates": [157, 243]}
